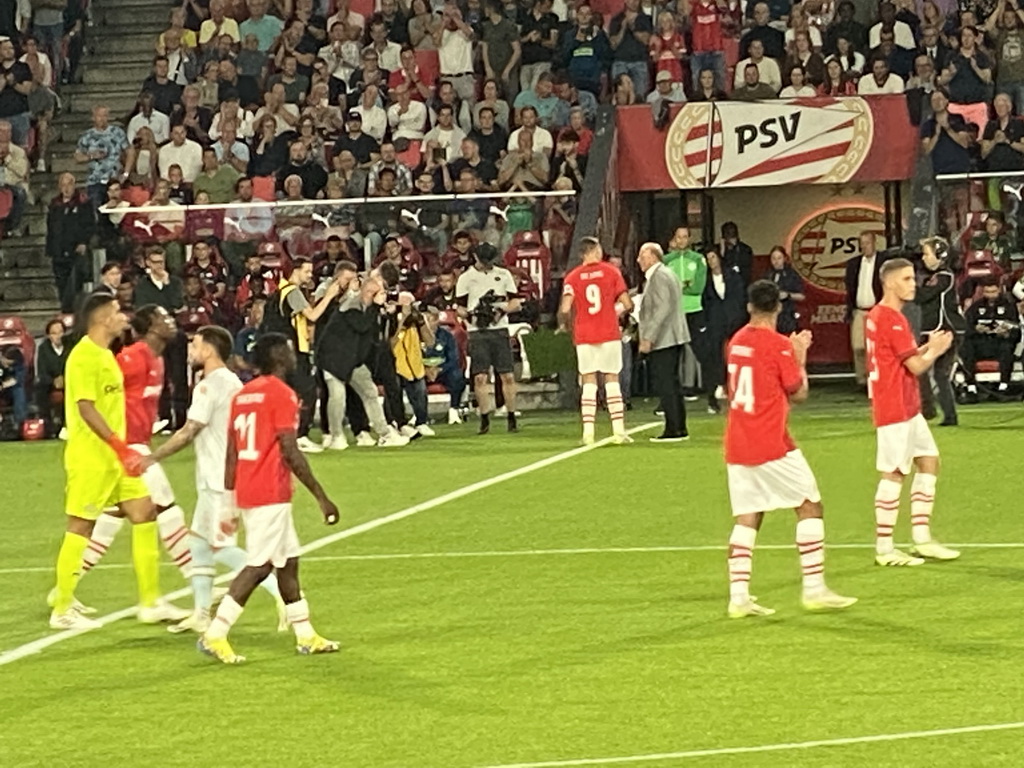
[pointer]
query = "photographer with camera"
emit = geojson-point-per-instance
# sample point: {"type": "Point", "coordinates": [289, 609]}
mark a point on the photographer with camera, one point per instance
{"type": "Point", "coordinates": [486, 295]}
{"type": "Point", "coordinates": [993, 331]}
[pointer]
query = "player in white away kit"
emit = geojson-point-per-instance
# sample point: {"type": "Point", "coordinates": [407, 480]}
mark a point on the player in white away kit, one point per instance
{"type": "Point", "coordinates": [207, 426]}
{"type": "Point", "coordinates": [904, 440]}
{"type": "Point", "coordinates": [596, 294]}
{"type": "Point", "coordinates": [765, 468]}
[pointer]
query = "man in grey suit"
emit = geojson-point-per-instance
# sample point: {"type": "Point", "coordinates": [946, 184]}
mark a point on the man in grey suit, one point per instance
{"type": "Point", "coordinates": [663, 333]}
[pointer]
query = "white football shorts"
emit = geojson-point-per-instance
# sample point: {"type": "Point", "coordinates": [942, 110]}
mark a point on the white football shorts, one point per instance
{"type": "Point", "coordinates": [784, 483]}
{"type": "Point", "coordinates": [270, 535]}
{"type": "Point", "coordinates": [156, 480]}
{"type": "Point", "coordinates": [899, 444]}
{"type": "Point", "coordinates": [213, 508]}
{"type": "Point", "coordinates": [605, 357]}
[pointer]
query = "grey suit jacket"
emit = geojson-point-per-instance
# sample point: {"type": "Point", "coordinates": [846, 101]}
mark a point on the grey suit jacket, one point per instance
{"type": "Point", "coordinates": [661, 319]}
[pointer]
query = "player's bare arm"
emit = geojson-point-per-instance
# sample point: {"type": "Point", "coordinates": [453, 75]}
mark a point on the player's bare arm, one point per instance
{"type": "Point", "coordinates": [625, 301]}
{"type": "Point", "coordinates": [296, 461]}
{"type": "Point", "coordinates": [938, 343]}
{"type": "Point", "coordinates": [180, 439]}
{"type": "Point", "coordinates": [564, 310]}
{"type": "Point", "coordinates": [801, 343]}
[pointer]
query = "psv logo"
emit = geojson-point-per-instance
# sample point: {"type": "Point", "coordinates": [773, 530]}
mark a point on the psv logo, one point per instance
{"type": "Point", "coordinates": [720, 144]}
{"type": "Point", "coordinates": [823, 242]}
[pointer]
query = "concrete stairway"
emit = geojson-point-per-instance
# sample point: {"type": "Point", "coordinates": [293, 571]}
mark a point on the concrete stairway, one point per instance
{"type": "Point", "coordinates": [121, 49]}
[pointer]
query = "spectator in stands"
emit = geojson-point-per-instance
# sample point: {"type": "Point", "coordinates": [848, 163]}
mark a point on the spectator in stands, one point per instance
{"type": "Point", "coordinates": [230, 151]}
{"type": "Point", "coordinates": [251, 61]}
{"type": "Point", "coordinates": [422, 23]}
{"type": "Point", "coordinates": [767, 68]}
{"type": "Point", "coordinates": [110, 279]}
{"type": "Point", "coordinates": [389, 53]}
{"type": "Point", "coordinates": [1002, 143]}
{"type": "Point", "coordinates": [48, 29]}
{"type": "Point", "coordinates": [14, 173]}
{"type": "Point", "coordinates": [880, 81]}
{"type": "Point", "coordinates": [538, 35]}
{"type": "Point", "coordinates": [269, 151]}
{"type": "Point", "coordinates": [576, 99]}
{"type": "Point", "coordinates": [851, 61]}
{"type": "Point", "coordinates": [442, 295]}
{"type": "Point", "coordinates": [524, 169]}
{"type": "Point", "coordinates": [923, 81]}
{"type": "Point", "coordinates": [158, 286]}
{"type": "Point", "coordinates": [363, 147]}
{"type": "Point", "coordinates": [147, 116]}
{"type": "Point", "coordinates": [460, 255]}
{"type": "Point", "coordinates": [791, 289]}
{"type": "Point", "coordinates": [706, 18]}
{"type": "Point", "coordinates": [266, 27]}
{"type": "Point", "coordinates": [446, 134]}
{"type": "Point", "coordinates": [166, 92]}
{"type": "Point", "coordinates": [441, 357]}
{"type": "Point", "coordinates": [217, 25]}
{"type": "Point", "coordinates": [375, 119]}
{"type": "Point", "coordinates": [351, 178]}
{"type": "Point", "coordinates": [752, 88]}
{"type": "Point", "coordinates": [209, 85]}
{"type": "Point", "coordinates": [1005, 22]}
{"type": "Point", "coordinates": [801, 52]}
{"type": "Point", "coordinates": [624, 92]}
{"type": "Point", "coordinates": [899, 60]}
{"type": "Point", "coordinates": [182, 67]}
{"type": "Point", "coordinates": [587, 51]}
{"type": "Point", "coordinates": [12, 382]}
{"type": "Point", "coordinates": [735, 253]}
{"type": "Point", "coordinates": [798, 86]}
{"type": "Point", "coordinates": [903, 34]}
{"type": "Point", "coordinates": [968, 75]}
{"type": "Point", "coordinates": [706, 89]}
{"type": "Point", "coordinates": [286, 116]}
{"type": "Point", "coordinates": [629, 35]}
{"type": "Point", "coordinates": [142, 161]}
{"type": "Point", "coordinates": [995, 240]}
{"type": "Point", "coordinates": [198, 308]}
{"type": "Point", "coordinates": [773, 42]}
{"type": "Point", "coordinates": [668, 47]}
{"type": "Point", "coordinates": [725, 310]}
{"type": "Point", "coordinates": [493, 102]}
{"type": "Point", "coordinates": [389, 159]}
{"type": "Point", "coordinates": [70, 224]}
{"type": "Point", "coordinates": [216, 179]}
{"type": "Point", "coordinates": [370, 73]}
{"type": "Point", "coordinates": [14, 106]}
{"type": "Point", "coordinates": [944, 136]}
{"type": "Point", "coordinates": [313, 176]}
{"type": "Point", "coordinates": [295, 85]}
{"type": "Point", "coordinates": [993, 332]}
{"type": "Point", "coordinates": [50, 361]}
{"type": "Point", "coordinates": [102, 147]}
{"type": "Point", "coordinates": [257, 282]}
{"type": "Point", "coordinates": [934, 48]}
{"type": "Point", "coordinates": [460, 109]}
{"type": "Point", "coordinates": [182, 152]}
{"type": "Point", "coordinates": [837, 83]}
{"type": "Point", "coordinates": [245, 86]}
{"type": "Point", "coordinates": [542, 140]}
{"type": "Point", "coordinates": [552, 112]}
{"type": "Point", "coordinates": [492, 139]}
{"type": "Point", "coordinates": [847, 27]}
{"type": "Point", "coordinates": [567, 162]}
{"type": "Point", "coordinates": [406, 117]}
{"type": "Point", "coordinates": [409, 75]}
{"type": "Point", "coordinates": [110, 236]}
{"type": "Point", "coordinates": [500, 48]}
{"type": "Point", "coordinates": [42, 101]}
{"type": "Point", "coordinates": [245, 340]}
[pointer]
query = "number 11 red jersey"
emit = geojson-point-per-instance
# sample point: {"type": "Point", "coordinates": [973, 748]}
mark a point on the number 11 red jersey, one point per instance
{"type": "Point", "coordinates": [260, 411]}
{"type": "Point", "coordinates": [594, 289]}
{"type": "Point", "coordinates": [763, 373]}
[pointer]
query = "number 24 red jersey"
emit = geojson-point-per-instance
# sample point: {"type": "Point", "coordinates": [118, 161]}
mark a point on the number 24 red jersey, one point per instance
{"type": "Point", "coordinates": [594, 289]}
{"type": "Point", "coordinates": [260, 412]}
{"type": "Point", "coordinates": [763, 373]}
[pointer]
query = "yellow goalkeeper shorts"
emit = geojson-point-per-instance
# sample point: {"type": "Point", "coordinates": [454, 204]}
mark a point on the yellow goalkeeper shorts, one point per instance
{"type": "Point", "coordinates": [96, 486]}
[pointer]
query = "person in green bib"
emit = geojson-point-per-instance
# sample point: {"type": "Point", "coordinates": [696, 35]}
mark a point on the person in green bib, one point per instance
{"type": "Point", "coordinates": [692, 270]}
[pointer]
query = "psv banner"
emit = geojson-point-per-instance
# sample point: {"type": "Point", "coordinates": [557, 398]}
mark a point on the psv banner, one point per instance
{"type": "Point", "coordinates": [820, 140]}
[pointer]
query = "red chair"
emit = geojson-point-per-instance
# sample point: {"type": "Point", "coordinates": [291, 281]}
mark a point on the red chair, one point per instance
{"type": "Point", "coordinates": [528, 252]}
{"type": "Point", "coordinates": [450, 320]}
{"type": "Point", "coordinates": [14, 333]}
{"type": "Point", "coordinates": [264, 188]}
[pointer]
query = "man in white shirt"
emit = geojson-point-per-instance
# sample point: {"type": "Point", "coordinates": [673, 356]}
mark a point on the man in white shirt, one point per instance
{"type": "Point", "coordinates": [389, 53]}
{"type": "Point", "coordinates": [183, 152]}
{"type": "Point", "coordinates": [407, 117]}
{"type": "Point", "coordinates": [904, 35]}
{"type": "Point", "coordinates": [881, 80]}
{"type": "Point", "coordinates": [542, 139]}
{"type": "Point", "coordinates": [863, 289]}
{"type": "Point", "coordinates": [148, 117]}
{"type": "Point", "coordinates": [348, 18]}
{"type": "Point", "coordinates": [448, 135]}
{"type": "Point", "coordinates": [768, 69]}
{"type": "Point", "coordinates": [454, 40]}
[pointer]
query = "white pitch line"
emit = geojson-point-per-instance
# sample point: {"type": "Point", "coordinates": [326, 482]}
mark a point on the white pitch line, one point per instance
{"type": "Point", "coordinates": [546, 552]}
{"type": "Point", "coordinates": [628, 759]}
{"type": "Point", "coordinates": [35, 646]}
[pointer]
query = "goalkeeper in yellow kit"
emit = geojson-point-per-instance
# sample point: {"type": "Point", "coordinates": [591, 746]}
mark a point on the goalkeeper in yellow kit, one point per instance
{"type": "Point", "coordinates": [102, 471]}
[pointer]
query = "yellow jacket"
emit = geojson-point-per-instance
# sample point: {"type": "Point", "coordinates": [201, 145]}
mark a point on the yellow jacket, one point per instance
{"type": "Point", "coordinates": [409, 354]}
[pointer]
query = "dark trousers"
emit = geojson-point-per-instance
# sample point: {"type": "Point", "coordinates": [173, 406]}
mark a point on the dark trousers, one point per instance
{"type": "Point", "coordinates": [387, 378]}
{"type": "Point", "coordinates": [453, 381]}
{"type": "Point", "coordinates": [174, 398]}
{"type": "Point", "coordinates": [416, 391]}
{"type": "Point", "coordinates": [321, 390]}
{"type": "Point", "coordinates": [664, 365]}
{"type": "Point", "coordinates": [942, 374]}
{"type": "Point", "coordinates": [304, 384]}
{"type": "Point", "coordinates": [69, 274]}
{"type": "Point", "coordinates": [980, 347]}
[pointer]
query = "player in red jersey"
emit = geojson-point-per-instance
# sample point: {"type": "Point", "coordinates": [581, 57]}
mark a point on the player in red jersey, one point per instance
{"type": "Point", "coordinates": [765, 468]}
{"type": "Point", "coordinates": [595, 294]}
{"type": "Point", "coordinates": [142, 367]}
{"type": "Point", "coordinates": [262, 454]}
{"type": "Point", "coordinates": [904, 440]}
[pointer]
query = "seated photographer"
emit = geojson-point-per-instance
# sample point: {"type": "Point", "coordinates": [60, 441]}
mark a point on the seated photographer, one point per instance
{"type": "Point", "coordinates": [12, 383]}
{"type": "Point", "coordinates": [50, 360]}
{"type": "Point", "coordinates": [407, 346]}
{"type": "Point", "coordinates": [443, 363]}
{"type": "Point", "coordinates": [486, 294]}
{"type": "Point", "coordinates": [993, 331]}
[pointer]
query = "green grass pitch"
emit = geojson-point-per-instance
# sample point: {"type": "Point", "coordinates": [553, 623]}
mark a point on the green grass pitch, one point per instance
{"type": "Point", "coordinates": [496, 658]}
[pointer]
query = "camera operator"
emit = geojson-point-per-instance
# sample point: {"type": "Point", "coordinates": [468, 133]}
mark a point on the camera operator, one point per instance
{"type": "Point", "coordinates": [993, 331]}
{"type": "Point", "coordinates": [384, 372]}
{"type": "Point", "coordinates": [486, 294]}
{"type": "Point", "coordinates": [940, 311]}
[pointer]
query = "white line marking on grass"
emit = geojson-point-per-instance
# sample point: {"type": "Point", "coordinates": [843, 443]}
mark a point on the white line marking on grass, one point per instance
{"type": "Point", "coordinates": [625, 760]}
{"type": "Point", "coordinates": [546, 552]}
{"type": "Point", "coordinates": [34, 647]}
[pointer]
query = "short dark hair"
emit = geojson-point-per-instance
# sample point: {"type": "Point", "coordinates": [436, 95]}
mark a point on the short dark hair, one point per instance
{"type": "Point", "coordinates": [588, 244]}
{"type": "Point", "coordinates": [298, 264]}
{"type": "Point", "coordinates": [345, 266]}
{"type": "Point", "coordinates": [55, 321]}
{"type": "Point", "coordinates": [389, 274]}
{"type": "Point", "coordinates": [893, 265]}
{"type": "Point", "coordinates": [730, 226]}
{"type": "Point", "coordinates": [268, 351]}
{"type": "Point", "coordinates": [218, 338]}
{"type": "Point", "coordinates": [144, 317]}
{"type": "Point", "coordinates": [241, 180]}
{"type": "Point", "coordinates": [108, 266]}
{"type": "Point", "coordinates": [763, 296]}
{"type": "Point", "coordinates": [94, 303]}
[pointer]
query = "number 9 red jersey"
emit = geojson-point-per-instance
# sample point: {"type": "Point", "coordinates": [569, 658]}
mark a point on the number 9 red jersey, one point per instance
{"type": "Point", "coordinates": [260, 412]}
{"type": "Point", "coordinates": [594, 289]}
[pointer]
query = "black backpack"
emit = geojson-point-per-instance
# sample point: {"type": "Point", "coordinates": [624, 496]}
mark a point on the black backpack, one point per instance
{"type": "Point", "coordinates": [276, 316]}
